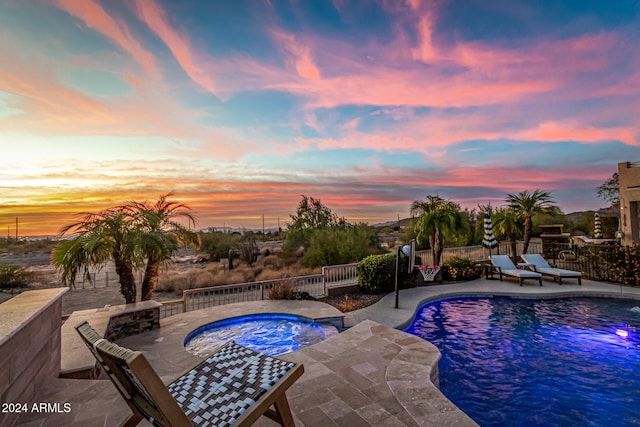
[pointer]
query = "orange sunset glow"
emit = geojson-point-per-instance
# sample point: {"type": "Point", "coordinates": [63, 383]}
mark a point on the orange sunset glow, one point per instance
{"type": "Point", "coordinates": [239, 108]}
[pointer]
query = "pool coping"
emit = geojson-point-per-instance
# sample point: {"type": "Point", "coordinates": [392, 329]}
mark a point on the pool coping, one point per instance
{"type": "Point", "coordinates": [384, 311]}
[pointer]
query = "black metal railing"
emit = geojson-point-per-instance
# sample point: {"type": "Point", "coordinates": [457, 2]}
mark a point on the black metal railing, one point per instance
{"type": "Point", "coordinates": [611, 262]}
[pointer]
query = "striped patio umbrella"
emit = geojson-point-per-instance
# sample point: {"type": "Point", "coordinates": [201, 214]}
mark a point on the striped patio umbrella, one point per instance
{"type": "Point", "coordinates": [597, 228]}
{"type": "Point", "coordinates": [488, 240]}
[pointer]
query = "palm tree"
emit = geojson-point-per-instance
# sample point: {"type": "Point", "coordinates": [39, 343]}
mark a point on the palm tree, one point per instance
{"type": "Point", "coordinates": [437, 216]}
{"type": "Point", "coordinates": [526, 204]}
{"type": "Point", "coordinates": [507, 223]}
{"type": "Point", "coordinates": [101, 237]}
{"type": "Point", "coordinates": [159, 234]}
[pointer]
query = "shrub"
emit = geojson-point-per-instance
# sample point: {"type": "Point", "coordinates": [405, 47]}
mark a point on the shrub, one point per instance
{"type": "Point", "coordinates": [461, 269]}
{"type": "Point", "coordinates": [218, 244]}
{"type": "Point", "coordinates": [623, 263]}
{"type": "Point", "coordinates": [376, 273]}
{"type": "Point", "coordinates": [12, 276]}
{"type": "Point", "coordinates": [340, 245]}
{"type": "Point", "coordinates": [248, 249]}
{"type": "Point", "coordinates": [287, 289]}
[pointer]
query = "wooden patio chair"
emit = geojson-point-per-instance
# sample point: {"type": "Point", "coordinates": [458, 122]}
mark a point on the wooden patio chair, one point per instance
{"type": "Point", "coordinates": [232, 387]}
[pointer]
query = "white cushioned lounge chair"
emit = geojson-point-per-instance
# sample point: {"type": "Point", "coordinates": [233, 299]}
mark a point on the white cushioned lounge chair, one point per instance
{"type": "Point", "coordinates": [542, 266]}
{"type": "Point", "coordinates": [505, 267]}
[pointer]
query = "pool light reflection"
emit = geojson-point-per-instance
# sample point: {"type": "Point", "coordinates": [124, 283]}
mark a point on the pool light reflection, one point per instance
{"type": "Point", "coordinates": [622, 333]}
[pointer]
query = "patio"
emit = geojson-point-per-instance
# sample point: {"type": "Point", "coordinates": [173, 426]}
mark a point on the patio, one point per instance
{"type": "Point", "coordinates": [371, 374]}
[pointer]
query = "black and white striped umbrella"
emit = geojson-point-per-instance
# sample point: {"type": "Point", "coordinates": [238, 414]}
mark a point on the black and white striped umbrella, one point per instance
{"type": "Point", "coordinates": [597, 228]}
{"type": "Point", "coordinates": [488, 241]}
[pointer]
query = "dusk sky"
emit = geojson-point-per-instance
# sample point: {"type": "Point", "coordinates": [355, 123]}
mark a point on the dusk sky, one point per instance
{"type": "Point", "coordinates": [241, 107]}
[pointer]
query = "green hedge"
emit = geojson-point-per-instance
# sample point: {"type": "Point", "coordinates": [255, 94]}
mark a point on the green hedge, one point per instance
{"type": "Point", "coordinates": [461, 269]}
{"type": "Point", "coordinates": [376, 274]}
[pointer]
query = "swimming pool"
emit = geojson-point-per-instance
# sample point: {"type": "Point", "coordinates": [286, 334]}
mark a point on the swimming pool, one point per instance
{"type": "Point", "coordinates": [270, 334]}
{"type": "Point", "coordinates": [522, 362]}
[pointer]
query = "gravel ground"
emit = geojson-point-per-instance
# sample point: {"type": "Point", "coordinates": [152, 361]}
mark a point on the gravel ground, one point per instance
{"type": "Point", "coordinates": [107, 290]}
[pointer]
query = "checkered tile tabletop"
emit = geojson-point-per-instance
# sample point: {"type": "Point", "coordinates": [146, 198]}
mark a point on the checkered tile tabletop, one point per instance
{"type": "Point", "coordinates": [219, 390]}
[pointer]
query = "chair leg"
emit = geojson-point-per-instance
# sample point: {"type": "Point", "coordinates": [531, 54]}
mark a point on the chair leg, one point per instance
{"type": "Point", "coordinates": [133, 420]}
{"type": "Point", "coordinates": [540, 280]}
{"type": "Point", "coordinates": [580, 281]}
{"type": "Point", "coordinates": [284, 411]}
{"type": "Point", "coordinates": [560, 280]}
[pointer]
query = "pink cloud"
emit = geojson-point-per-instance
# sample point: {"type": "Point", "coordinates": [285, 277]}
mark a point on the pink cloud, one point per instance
{"type": "Point", "coordinates": [299, 54]}
{"type": "Point", "coordinates": [95, 17]}
{"type": "Point", "coordinates": [198, 67]}
{"type": "Point", "coordinates": [572, 131]}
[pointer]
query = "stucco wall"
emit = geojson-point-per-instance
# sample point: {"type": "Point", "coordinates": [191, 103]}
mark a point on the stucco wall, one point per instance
{"type": "Point", "coordinates": [629, 180]}
{"type": "Point", "coordinates": [29, 344]}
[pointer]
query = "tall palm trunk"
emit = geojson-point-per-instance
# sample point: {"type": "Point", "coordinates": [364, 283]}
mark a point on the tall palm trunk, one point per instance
{"type": "Point", "coordinates": [127, 280]}
{"type": "Point", "coordinates": [151, 274]}
{"type": "Point", "coordinates": [436, 247]}
{"type": "Point", "coordinates": [514, 246]}
{"type": "Point", "coordinates": [528, 227]}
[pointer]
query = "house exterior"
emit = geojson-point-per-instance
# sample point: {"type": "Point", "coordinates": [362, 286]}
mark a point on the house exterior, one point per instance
{"type": "Point", "coordinates": [629, 180]}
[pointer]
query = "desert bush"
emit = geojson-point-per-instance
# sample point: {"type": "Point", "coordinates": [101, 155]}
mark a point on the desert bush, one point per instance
{"type": "Point", "coordinates": [284, 289]}
{"type": "Point", "coordinates": [247, 249]}
{"type": "Point", "coordinates": [287, 289]}
{"type": "Point", "coordinates": [271, 261]}
{"type": "Point", "coordinates": [218, 244]}
{"type": "Point", "coordinates": [461, 269]}
{"type": "Point", "coordinates": [12, 276]}
{"type": "Point", "coordinates": [269, 274]}
{"type": "Point", "coordinates": [204, 279]}
{"type": "Point", "coordinates": [341, 245]}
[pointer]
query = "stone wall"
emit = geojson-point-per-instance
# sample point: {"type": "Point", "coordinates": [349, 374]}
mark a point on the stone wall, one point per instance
{"type": "Point", "coordinates": [123, 325]}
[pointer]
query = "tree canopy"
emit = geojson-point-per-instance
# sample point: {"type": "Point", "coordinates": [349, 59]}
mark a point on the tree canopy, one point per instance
{"type": "Point", "coordinates": [133, 235]}
{"type": "Point", "coordinates": [526, 204]}
{"type": "Point", "coordinates": [436, 217]}
{"type": "Point", "coordinates": [609, 191]}
{"type": "Point", "coordinates": [310, 215]}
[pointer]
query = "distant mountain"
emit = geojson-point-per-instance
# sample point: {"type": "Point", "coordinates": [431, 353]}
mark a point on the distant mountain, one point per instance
{"type": "Point", "coordinates": [403, 223]}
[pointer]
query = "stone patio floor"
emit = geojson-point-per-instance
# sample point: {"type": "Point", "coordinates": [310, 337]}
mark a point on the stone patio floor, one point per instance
{"type": "Point", "coordinates": [370, 375]}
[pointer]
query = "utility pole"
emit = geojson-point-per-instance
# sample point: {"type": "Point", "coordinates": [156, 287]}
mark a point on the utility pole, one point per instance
{"type": "Point", "coordinates": [16, 229]}
{"type": "Point", "coordinates": [262, 226]}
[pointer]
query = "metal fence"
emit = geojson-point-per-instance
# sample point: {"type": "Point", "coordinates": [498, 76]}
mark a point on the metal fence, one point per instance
{"type": "Point", "coordinates": [478, 252]}
{"type": "Point", "coordinates": [336, 276]}
{"type": "Point", "coordinates": [315, 285]}
{"type": "Point", "coordinates": [613, 263]}
{"type": "Point", "coordinates": [597, 262]}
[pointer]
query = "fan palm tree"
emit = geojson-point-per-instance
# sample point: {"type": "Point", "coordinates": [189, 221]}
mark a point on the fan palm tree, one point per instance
{"type": "Point", "coordinates": [507, 223]}
{"type": "Point", "coordinates": [526, 204]}
{"type": "Point", "coordinates": [437, 216]}
{"type": "Point", "coordinates": [159, 234]}
{"type": "Point", "coordinates": [104, 236]}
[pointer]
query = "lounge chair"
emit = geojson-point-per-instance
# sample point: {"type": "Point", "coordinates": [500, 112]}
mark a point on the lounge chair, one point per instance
{"type": "Point", "coordinates": [233, 386]}
{"type": "Point", "coordinates": [542, 266]}
{"type": "Point", "coordinates": [505, 267]}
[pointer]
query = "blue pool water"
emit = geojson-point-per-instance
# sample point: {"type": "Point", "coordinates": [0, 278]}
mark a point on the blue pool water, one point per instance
{"type": "Point", "coordinates": [519, 362]}
{"type": "Point", "coordinates": [270, 334]}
